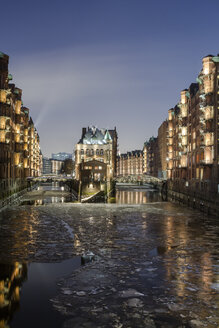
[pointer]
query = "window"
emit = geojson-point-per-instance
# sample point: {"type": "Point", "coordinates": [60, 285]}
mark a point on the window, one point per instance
{"type": "Point", "coordinates": [97, 152]}
{"type": "Point", "coordinates": [87, 152]}
{"type": "Point", "coordinates": [91, 152]}
{"type": "Point", "coordinates": [82, 151]}
{"type": "Point", "coordinates": [101, 151]}
{"type": "Point", "coordinates": [98, 167]}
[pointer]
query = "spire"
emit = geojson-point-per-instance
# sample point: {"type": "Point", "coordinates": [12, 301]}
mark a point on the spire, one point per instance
{"type": "Point", "coordinates": [107, 136]}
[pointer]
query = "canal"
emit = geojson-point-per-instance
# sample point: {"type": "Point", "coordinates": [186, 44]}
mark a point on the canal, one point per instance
{"type": "Point", "coordinates": [155, 263]}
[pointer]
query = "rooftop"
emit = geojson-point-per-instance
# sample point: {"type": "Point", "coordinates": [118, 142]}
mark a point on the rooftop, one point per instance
{"type": "Point", "coordinates": [94, 136]}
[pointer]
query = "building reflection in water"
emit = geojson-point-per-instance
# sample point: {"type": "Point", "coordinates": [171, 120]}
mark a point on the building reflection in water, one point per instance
{"type": "Point", "coordinates": [48, 200]}
{"type": "Point", "coordinates": [136, 196]}
{"type": "Point", "coordinates": [12, 277]}
{"type": "Point", "coordinates": [188, 269]}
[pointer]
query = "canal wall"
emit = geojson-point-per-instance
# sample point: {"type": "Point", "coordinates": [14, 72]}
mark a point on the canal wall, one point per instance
{"type": "Point", "coordinates": [207, 202]}
{"type": "Point", "coordinates": [8, 187]}
{"type": "Point", "coordinates": [10, 199]}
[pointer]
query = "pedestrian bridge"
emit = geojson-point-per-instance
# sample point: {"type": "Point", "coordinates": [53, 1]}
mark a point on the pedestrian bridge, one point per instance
{"type": "Point", "coordinates": [139, 179]}
{"type": "Point", "coordinates": [130, 179]}
{"type": "Point", "coordinates": [50, 178]}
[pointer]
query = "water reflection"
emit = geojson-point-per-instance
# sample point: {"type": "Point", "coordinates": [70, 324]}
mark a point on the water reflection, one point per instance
{"type": "Point", "coordinates": [136, 196]}
{"type": "Point", "coordinates": [47, 193]}
{"type": "Point", "coordinates": [36, 292]}
{"type": "Point", "coordinates": [171, 251]}
{"type": "Point", "coordinates": [11, 279]}
{"type": "Point", "coordinates": [47, 200]}
{"type": "Point", "coordinates": [51, 186]}
{"type": "Point", "coordinates": [188, 264]}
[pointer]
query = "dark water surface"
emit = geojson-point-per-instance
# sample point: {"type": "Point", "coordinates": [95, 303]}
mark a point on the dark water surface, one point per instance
{"type": "Point", "coordinates": [27, 291]}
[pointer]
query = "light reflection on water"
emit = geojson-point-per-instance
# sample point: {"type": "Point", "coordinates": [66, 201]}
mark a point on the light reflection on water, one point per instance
{"type": "Point", "coordinates": [11, 279]}
{"type": "Point", "coordinates": [190, 269]}
{"type": "Point", "coordinates": [51, 186]}
{"type": "Point", "coordinates": [136, 196]}
{"type": "Point", "coordinates": [25, 290]}
{"type": "Point", "coordinates": [47, 200]}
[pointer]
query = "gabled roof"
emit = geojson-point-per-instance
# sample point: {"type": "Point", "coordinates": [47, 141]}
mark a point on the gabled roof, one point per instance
{"type": "Point", "coordinates": [95, 136]}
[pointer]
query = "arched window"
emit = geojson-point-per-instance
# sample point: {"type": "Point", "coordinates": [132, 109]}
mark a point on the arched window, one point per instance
{"type": "Point", "coordinates": [87, 152]}
{"type": "Point", "coordinates": [91, 152]}
{"type": "Point", "coordinates": [97, 152]}
{"type": "Point", "coordinates": [101, 151]}
{"type": "Point", "coordinates": [82, 151]}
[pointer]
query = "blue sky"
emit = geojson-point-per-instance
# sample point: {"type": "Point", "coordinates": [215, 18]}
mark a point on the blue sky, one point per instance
{"type": "Point", "coordinates": [107, 63]}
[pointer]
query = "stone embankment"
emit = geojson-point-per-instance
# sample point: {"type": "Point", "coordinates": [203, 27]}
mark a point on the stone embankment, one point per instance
{"type": "Point", "coordinates": [203, 201]}
{"type": "Point", "coordinates": [15, 197]}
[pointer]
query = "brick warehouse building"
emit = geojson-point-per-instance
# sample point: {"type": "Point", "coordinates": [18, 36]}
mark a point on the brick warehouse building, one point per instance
{"type": "Point", "coordinates": [151, 157]}
{"type": "Point", "coordinates": [20, 155]}
{"type": "Point", "coordinates": [130, 163]}
{"type": "Point", "coordinates": [193, 132]}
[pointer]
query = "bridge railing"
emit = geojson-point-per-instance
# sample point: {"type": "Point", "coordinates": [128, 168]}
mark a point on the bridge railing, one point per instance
{"type": "Point", "coordinates": [138, 178]}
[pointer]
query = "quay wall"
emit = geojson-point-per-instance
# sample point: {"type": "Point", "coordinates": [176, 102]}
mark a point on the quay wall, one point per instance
{"type": "Point", "coordinates": [196, 197]}
{"type": "Point", "coordinates": [9, 187]}
{"type": "Point", "coordinates": [12, 195]}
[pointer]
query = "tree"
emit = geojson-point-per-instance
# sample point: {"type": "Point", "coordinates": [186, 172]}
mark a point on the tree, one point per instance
{"type": "Point", "coordinates": [68, 166]}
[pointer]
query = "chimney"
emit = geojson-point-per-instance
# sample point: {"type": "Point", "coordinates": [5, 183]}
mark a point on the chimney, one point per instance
{"type": "Point", "coordinates": [84, 130]}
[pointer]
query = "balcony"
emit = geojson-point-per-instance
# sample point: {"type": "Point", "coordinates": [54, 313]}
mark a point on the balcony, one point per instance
{"type": "Point", "coordinates": [3, 96]}
{"type": "Point", "coordinates": [209, 113]}
{"type": "Point", "coordinates": [184, 141]}
{"type": "Point", "coordinates": [209, 139]}
{"type": "Point", "coordinates": [206, 162]}
{"type": "Point", "coordinates": [208, 84]}
{"type": "Point", "coordinates": [184, 131]}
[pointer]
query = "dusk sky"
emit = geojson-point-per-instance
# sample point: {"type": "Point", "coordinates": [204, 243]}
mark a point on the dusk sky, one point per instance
{"type": "Point", "coordinates": [106, 63]}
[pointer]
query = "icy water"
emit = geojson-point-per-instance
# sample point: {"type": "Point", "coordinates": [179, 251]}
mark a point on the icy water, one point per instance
{"type": "Point", "coordinates": [156, 263]}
